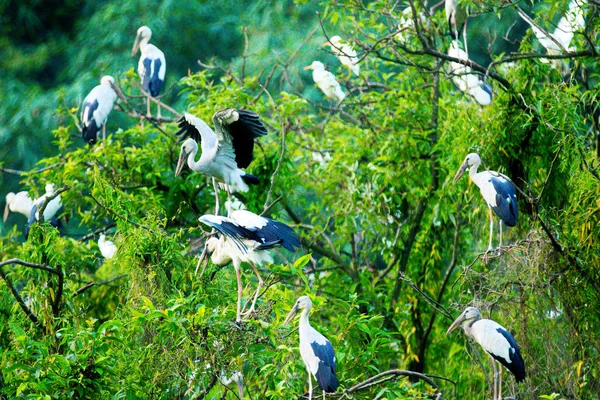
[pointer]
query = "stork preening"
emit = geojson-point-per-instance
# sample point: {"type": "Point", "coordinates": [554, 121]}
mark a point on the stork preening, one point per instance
{"type": "Point", "coordinates": [151, 67]}
{"type": "Point", "coordinates": [96, 107]}
{"type": "Point", "coordinates": [345, 53]}
{"type": "Point", "coordinates": [316, 351]}
{"type": "Point", "coordinates": [326, 81]}
{"type": "Point", "coordinates": [107, 248]}
{"type": "Point", "coordinates": [496, 341]}
{"type": "Point", "coordinates": [465, 80]}
{"type": "Point", "coordinates": [247, 237]}
{"type": "Point", "coordinates": [225, 151]}
{"type": "Point", "coordinates": [497, 190]}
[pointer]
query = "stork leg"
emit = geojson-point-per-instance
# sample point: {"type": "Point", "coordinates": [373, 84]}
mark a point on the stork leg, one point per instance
{"type": "Point", "coordinates": [238, 275]}
{"type": "Point", "coordinates": [216, 187]}
{"type": "Point", "coordinates": [158, 116]}
{"type": "Point", "coordinates": [148, 114]}
{"type": "Point", "coordinates": [310, 388]}
{"type": "Point", "coordinates": [104, 132]}
{"type": "Point", "coordinates": [499, 382]}
{"type": "Point", "coordinates": [501, 223]}
{"type": "Point", "coordinates": [260, 285]}
{"type": "Point", "coordinates": [495, 384]}
{"type": "Point", "coordinates": [491, 230]}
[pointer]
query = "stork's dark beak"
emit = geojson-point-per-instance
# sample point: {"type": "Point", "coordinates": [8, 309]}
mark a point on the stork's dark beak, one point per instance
{"type": "Point", "coordinates": [181, 162]}
{"type": "Point", "coordinates": [6, 211]}
{"type": "Point", "coordinates": [136, 45]}
{"type": "Point", "coordinates": [291, 315]}
{"type": "Point", "coordinates": [118, 91]}
{"type": "Point", "coordinates": [456, 323]}
{"type": "Point", "coordinates": [460, 171]}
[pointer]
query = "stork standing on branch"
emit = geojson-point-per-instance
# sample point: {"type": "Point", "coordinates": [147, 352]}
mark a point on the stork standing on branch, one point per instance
{"type": "Point", "coordinates": [96, 107]}
{"type": "Point", "coordinates": [151, 67]}
{"type": "Point", "coordinates": [345, 53]}
{"type": "Point", "coordinates": [225, 151]}
{"type": "Point", "coordinates": [496, 341]}
{"type": "Point", "coordinates": [465, 79]}
{"type": "Point", "coordinates": [247, 237]}
{"type": "Point", "coordinates": [316, 351]}
{"type": "Point", "coordinates": [497, 190]}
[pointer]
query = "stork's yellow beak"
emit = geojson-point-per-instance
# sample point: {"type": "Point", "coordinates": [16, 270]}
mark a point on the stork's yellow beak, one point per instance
{"type": "Point", "coordinates": [456, 323]}
{"type": "Point", "coordinates": [460, 172]}
{"type": "Point", "coordinates": [291, 315]}
{"type": "Point", "coordinates": [181, 161]}
{"type": "Point", "coordinates": [6, 211]}
{"type": "Point", "coordinates": [136, 44]}
{"type": "Point", "coordinates": [308, 67]}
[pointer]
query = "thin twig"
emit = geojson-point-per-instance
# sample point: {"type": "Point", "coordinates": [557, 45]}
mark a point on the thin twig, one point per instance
{"type": "Point", "coordinates": [110, 211]}
{"type": "Point", "coordinates": [92, 284]}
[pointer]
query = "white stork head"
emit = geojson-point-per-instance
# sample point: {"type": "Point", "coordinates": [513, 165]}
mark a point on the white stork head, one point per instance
{"type": "Point", "coordinates": [470, 315]}
{"type": "Point", "coordinates": [334, 41]}
{"type": "Point", "coordinates": [304, 303]}
{"type": "Point", "coordinates": [472, 160]}
{"type": "Point", "coordinates": [188, 147]}
{"type": "Point", "coordinates": [316, 66]}
{"type": "Point", "coordinates": [143, 36]}
{"type": "Point", "coordinates": [109, 81]}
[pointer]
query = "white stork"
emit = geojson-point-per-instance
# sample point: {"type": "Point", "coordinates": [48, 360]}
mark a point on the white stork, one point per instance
{"type": "Point", "coordinates": [465, 79]}
{"type": "Point", "coordinates": [18, 202]}
{"type": "Point", "coordinates": [151, 67]}
{"type": "Point", "coordinates": [225, 151]}
{"type": "Point", "coordinates": [247, 237]}
{"type": "Point", "coordinates": [456, 17]}
{"type": "Point", "coordinates": [107, 248]}
{"type": "Point", "coordinates": [96, 107]}
{"type": "Point", "coordinates": [496, 341]}
{"type": "Point", "coordinates": [345, 53]}
{"type": "Point", "coordinates": [316, 351]}
{"type": "Point", "coordinates": [236, 377]}
{"type": "Point", "coordinates": [50, 212]}
{"type": "Point", "coordinates": [497, 190]}
{"type": "Point", "coordinates": [326, 81]}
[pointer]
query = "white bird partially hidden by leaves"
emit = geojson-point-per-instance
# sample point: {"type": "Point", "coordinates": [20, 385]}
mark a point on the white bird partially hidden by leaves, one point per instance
{"type": "Point", "coordinates": [465, 80]}
{"type": "Point", "coordinates": [326, 81]}
{"type": "Point", "coordinates": [107, 247]}
{"type": "Point", "coordinates": [247, 237]}
{"type": "Point", "coordinates": [406, 25]}
{"type": "Point", "coordinates": [225, 151]}
{"type": "Point", "coordinates": [496, 341]}
{"type": "Point", "coordinates": [96, 107]}
{"type": "Point", "coordinates": [152, 66]}
{"type": "Point", "coordinates": [236, 377]}
{"type": "Point", "coordinates": [316, 351]}
{"type": "Point", "coordinates": [18, 202]}
{"type": "Point", "coordinates": [50, 212]}
{"type": "Point", "coordinates": [345, 53]}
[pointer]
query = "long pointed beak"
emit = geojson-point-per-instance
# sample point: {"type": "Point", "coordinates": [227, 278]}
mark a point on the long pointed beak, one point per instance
{"type": "Point", "coordinates": [456, 323]}
{"type": "Point", "coordinates": [118, 91]}
{"type": "Point", "coordinates": [308, 67]}
{"type": "Point", "coordinates": [327, 43]}
{"type": "Point", "coordinates": [291, 315]}
{"type": "Point", "coordinates": [460, 172]}
{"type": "Point", "coordinates": [136, 45]}
{"type": "Point", "coordinates": [6, 211]}
{"type": "Point", "coordinates": [181, 162]}
{"type": "Point", "coordinates": [240, 387]}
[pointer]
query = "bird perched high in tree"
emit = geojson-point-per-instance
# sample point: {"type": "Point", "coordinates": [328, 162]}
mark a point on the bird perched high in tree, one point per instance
{"type": "Point", "coordinates": [96, 107]}
{"type": "Point", "coordinates": [225, 151]}
{"type": "Point", "coordinates": [326, 81]}
{"type": "Point", "coordinates": [152, 66]}
{"type": "Point", "coordinates": [345, 53]}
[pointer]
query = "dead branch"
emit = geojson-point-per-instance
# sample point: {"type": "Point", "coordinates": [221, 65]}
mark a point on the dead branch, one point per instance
{"type": "Point", "coordinates": [100, 283]}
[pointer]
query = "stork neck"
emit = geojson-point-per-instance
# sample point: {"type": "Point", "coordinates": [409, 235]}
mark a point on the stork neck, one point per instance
{"type": "Point", "coordinates": [195, 166]}
{"type": "Point", "coordinates": [473, 170]}
{"type": "Point", "coordinates": [304, 320]}
{"type": "Point", "coordinates": [144, 43]}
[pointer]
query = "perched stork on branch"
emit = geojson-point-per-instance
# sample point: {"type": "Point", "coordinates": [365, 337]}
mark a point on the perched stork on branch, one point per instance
{"type": "Point", "coordinates": [496, 341]}
{"type": "Point", "coordinates": [247, 237]}
{"type": "Point", "coordinates": [497, 190]}
{"type": "Point", "coordinates": [345, 53]}
{"type": "Point", "coordinates": [326, 81]}
{"type": "Point", "coordinates": [225, 151]}
{"type": "Point", "coordinates": [316, 351]}
{"type": "Point", "coordinates": [96, 107]}
{"type": "Point", "coordinates": [151, 67]}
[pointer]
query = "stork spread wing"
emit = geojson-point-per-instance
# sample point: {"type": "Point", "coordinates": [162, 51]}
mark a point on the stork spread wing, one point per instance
{"type": "Point", "coordinates": [240, 128]}
{"type": "Point", "coordinates": [270, 231]}
{"type": "Point", "coordinates": [193, 127]}
{"type": "Point", "coordinates": [231, 229]}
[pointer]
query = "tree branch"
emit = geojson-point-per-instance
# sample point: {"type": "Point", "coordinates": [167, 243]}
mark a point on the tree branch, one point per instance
{"type": "Point", "coordinates": [100, 283]}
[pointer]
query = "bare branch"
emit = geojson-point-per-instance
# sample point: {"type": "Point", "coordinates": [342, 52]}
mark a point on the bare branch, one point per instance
{"type": "Point", "coordinates": [42, 267]}
{"type": "Point", "coordinates": [110, 211]}
{"type": "Point", "coordinates": [32, 317]}
{"type": "Point", "coordinates": [100, 283]}
{"type": "Point", "coordinates": [36, 171]}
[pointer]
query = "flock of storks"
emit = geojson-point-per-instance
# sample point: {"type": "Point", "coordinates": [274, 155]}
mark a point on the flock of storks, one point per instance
{"type": "Point", "coordinates": [247, 237]}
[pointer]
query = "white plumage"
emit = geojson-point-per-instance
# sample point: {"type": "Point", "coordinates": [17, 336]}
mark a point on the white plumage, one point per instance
{"type": "Point", "coordinates": [497, 190]}
{"type": "Point", "coordinates": [247, 237]}
{"type": "Point", "coordinates": [152, 65]}
{"type": "Point", "coordinates": [345, 53]}
{"type": "Point", "coordinates": [18, 202]}
{"type": "Point", "coordinates": [326, 81]}
{"type": "Point", "coordinates": [96, 107]}
{"type": "Point", "coordinates": [107, 248]}
{"type": "Point", "coordinates": [316, 351]}
{"type": "Point", "coordinates": [464, 79]}
{"type": "Point", "coordinates": [496, 341]}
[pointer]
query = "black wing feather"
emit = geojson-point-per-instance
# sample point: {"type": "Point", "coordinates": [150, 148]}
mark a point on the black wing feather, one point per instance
{"type": "Point", "coordinates": [278, 231]}
{"type": "Point", "coordinates": [235, 232]}
{"type": "Point", "coordinates": [243, 132]}
{"type": "Point", "coordinates": [152, 83]}
{"type": "Point", "coordinates": [326, 372]}
{"type": "Point", "coordinates": [187, 130]}
{"type": "Point", "coordinates": [517, 365]}
{"type": "Point", "coordinates": [506, 201]}
{"type": "Point", "coordinates": [89, 132]}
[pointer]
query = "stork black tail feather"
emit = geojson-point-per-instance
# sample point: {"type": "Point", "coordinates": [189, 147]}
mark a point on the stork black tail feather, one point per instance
{"type": "Point", "coordinates": [269, 245]}
{"type": "Point", "coordinates": [89, 133]}
{"type": "Point", "coordinates": [250, 179]}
